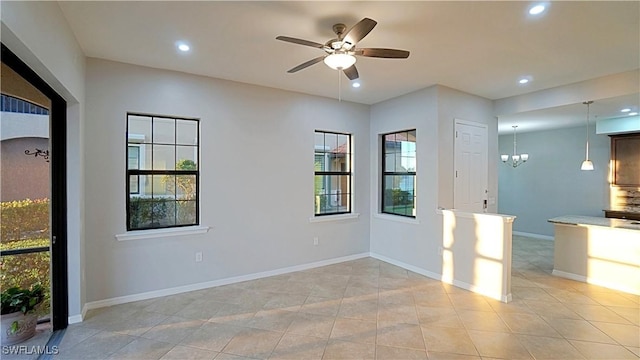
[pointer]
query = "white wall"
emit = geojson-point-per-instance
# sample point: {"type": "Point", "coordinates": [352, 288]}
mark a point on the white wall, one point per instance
{"type": "Point", "coordinates": [551, 183]}
{"type": "Point", "coordinates": [256, 180]}
{"type": "Point", "coordinates": [432, 112]}
{"type": "Point", "coordinates": [39, 35]}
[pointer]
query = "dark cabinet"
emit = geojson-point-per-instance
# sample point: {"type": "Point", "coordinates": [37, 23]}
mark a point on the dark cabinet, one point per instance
{"type": "Point", "coordinates": [622, 215]}
{"type": "Point", "coordinates": [625, 160]}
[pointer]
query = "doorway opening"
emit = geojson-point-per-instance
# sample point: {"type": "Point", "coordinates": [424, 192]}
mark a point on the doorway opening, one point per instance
{"type": "Point", "coordinates": [33, 188]}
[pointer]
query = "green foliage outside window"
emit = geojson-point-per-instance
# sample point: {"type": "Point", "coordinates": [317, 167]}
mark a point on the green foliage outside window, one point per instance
{"type": "Point", "coordinates": [185, 184]}
{"type": "Point", "coordinates": [24, 219]}
{"type": "Point", "coordinates": [21, 299]}
{"type": "Point", "coordinates": [25, 224]}
{"type": "Point", "coordinates": [395, 197]}
{"type": "Point", "coordinates": [148, 212]}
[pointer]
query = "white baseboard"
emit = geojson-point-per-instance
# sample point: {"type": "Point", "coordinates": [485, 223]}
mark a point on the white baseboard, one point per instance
{"type": "Point", "coordinates": [532, 235]}
{"type": "Point", "coordinates": [406, 266]}
{"type": "Point", "coordinates": [598, 282]}
{"type": "Point", "coordinates": [208, 284]}
{"type": "Point", "coordinates": [568, 275]}
{"type": "Point", "coordinates": [463, 285]}
{"type": "Point", "coordinates": [74, 319]}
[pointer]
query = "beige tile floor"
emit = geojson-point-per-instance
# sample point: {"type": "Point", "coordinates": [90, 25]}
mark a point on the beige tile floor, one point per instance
{"type": "Point", "coordinates": [369, 309]}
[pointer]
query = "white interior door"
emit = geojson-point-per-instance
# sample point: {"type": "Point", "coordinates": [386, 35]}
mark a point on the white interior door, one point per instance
{"type": "Point", "coordinates": [470, 166]}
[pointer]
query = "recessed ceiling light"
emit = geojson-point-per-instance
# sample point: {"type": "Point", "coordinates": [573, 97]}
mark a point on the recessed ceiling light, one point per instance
{"type": "Point", "coordinates": [625, 110]}
{"type": "Point", "coordinates": [183, 47]}
{"type": "Point", "coordinates": [523, 81]}
{"type": "Point", "coordinates": [537, 9]}
{"type": "Point", "coordinates": [633, 113]}
{"type": "Point", "coordinates": [356, 84]}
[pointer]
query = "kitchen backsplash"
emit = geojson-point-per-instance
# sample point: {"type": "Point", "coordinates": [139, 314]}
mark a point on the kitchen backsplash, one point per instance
{"type": "Point", "coordinates": [625, 199]}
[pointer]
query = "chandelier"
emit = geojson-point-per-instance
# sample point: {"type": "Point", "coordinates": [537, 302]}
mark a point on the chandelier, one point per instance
{"type": "Point", "coordinates": [516, 160]}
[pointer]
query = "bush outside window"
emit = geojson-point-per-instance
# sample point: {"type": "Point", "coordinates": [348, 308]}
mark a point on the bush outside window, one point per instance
{"type": "Point", "coordinates": [162, 172]}
{"type": "Point", "coordinates": [24, 224]}
{"type": "Point", "coordinates": [399, 173]}
{"type": "Point", "coordinates": [332, 182]}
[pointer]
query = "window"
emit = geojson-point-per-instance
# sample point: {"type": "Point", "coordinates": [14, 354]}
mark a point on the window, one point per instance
{"type": "Point", "coordinates": [162, 172]}
{"type": "Point", "coordinates": [399, 173]}
{"type": "Point", "coordinates": [12, 104]}
{"type": "Point", "coordinates": [332, 184]}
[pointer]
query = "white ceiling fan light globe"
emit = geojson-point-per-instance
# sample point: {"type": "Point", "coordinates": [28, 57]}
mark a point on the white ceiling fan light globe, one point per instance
{"type": "Point", "coordinates": [339, 61]}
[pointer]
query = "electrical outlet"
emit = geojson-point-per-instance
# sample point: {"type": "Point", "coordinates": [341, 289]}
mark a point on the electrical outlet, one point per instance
{"type": "Point", "coordinates": [199, 256]}
{"type": "Point", "coordinates": [315, 241]}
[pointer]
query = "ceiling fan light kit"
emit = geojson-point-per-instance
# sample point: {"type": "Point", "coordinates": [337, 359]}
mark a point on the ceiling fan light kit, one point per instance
{"type": "Point", "coordinates": [338, 61]}
{"type": "Point", "coordinates": [341, 52]}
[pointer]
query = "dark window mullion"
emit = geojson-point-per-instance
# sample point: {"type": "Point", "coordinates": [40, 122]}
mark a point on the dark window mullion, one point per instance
{"type": "Point", "coordinates": [197, 195]}
{"type": "Point", "coordinates": [175, 167]}
{"type": "Point", "coordinates": [333, 173]}
{"type": "Point", "coordinates": [152, 168]}
{"type": "Point", "coordinates": [127, 179]}
{"type": "Point", "coordinates": [162, 172]}
{"type": "Point", "coordinates": [400, 173]}
{"type": "Point", "coordinates": [168, 144]}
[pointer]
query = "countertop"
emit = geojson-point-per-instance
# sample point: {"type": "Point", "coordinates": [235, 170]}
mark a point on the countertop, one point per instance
{"type": "Point", "coordinates": [596, 221]}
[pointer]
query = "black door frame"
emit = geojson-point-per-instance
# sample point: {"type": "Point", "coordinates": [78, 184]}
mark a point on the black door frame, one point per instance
{"type": "Point", "coordinates": [58, 164]}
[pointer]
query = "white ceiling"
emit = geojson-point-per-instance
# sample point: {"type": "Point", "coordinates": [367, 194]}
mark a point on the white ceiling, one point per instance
{"type": "Point", "coordinates": [482, 48]}
{"type": "Point", "coordinates": [567, 115]}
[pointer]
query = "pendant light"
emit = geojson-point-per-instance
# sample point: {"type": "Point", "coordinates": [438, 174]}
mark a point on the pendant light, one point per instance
{"type": "Point", "coordinates": [587, 164]}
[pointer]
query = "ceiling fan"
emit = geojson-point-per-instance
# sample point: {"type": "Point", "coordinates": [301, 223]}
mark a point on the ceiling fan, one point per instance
{"type": "Point", "coordinates": [341, 51]}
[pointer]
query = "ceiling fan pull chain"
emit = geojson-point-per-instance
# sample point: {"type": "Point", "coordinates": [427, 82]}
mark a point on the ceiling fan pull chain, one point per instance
{"type": "Point", "coordinates": [339, 86]}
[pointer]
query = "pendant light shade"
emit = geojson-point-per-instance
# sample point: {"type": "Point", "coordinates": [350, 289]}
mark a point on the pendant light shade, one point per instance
{"type": "Point", "coordinates": [587, 165]}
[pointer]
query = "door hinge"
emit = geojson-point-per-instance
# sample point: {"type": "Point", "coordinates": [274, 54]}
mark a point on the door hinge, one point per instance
{"type": "Point", "coordinates": [53, 240]}
{"type": "Point", "coordinates": [456, 173]}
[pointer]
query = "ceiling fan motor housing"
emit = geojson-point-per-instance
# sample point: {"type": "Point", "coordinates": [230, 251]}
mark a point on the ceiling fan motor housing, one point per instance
{"type": "Point", "coordinates": [339, 29]}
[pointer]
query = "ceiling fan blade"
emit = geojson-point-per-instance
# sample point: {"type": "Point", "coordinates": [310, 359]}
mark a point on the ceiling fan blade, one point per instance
{"type": "Point", "coordinates": [359, 31]}
{"type": "Point", "coordinates": [383, 53]}
{"type": "Point", "coordinates": [306, 64]}
{"type": "Point", "coordinates": [351, 72]}
{"type": "Point", "coordinates": [300, 42]}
